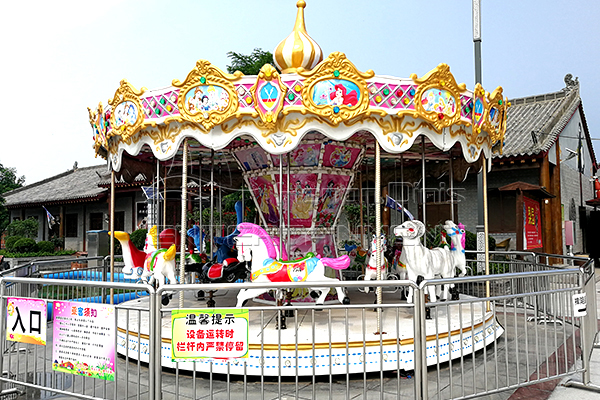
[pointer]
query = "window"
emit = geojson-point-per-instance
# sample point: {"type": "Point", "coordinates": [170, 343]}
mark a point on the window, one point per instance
{"type": "Point", "coordinates": [70, 225]}
{"type": "Point", "coordinates": [96, 221]}
{"type": "Point", "coordinates": [119, 220]}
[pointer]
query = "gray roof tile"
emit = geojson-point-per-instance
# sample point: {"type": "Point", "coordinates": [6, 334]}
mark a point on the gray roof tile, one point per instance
{"type": "Point", "coordinates": [73, 185]}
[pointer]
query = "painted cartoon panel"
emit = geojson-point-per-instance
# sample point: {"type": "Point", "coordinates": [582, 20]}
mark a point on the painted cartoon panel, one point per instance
{"type": "Point", "coordinates": [263, 190]}
{"type": "Point", "coordinates": [201, 99]}
{"type": "Point", "coordinates": [301, 198]}
{"type": "Point", "coordinates": [325, 247]}
{"type": "Point", "coordinates": [340, 157]}
{"type": "Point", "coordinates": [336, 92]}
{"type": "Point", "coordinates": [478, 110]}
{"type": "Point", "coordinates": [300, 245]}
{"type": "Point", "coordinates": [126, 113]}
{"type": "Point", "coordinates": [305, 155]}
{"type": "Point", "coordinates": [251, 159]}
{"type": "Point", "coordinates": [331, 194]}
{"type": "Point", "coordinates": [439, 100]}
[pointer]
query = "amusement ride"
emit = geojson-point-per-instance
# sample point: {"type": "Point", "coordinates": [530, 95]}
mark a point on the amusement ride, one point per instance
{"type": "Point", "coordinates": [300, 138]}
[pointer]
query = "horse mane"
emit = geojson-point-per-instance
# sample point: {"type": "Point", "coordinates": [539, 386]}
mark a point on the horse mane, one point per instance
{"type": "Point", "coordinates": [463, 239]}
{"type": "Point", "coordinates": [279, 245]}
{"type": "Point", "coordinates": [250, 228]}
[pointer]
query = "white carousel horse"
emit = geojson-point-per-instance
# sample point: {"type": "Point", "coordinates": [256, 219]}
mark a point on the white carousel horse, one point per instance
{"type": "Point", "coordinates": [371, 269]}
{"type": "Point", "coordinates": [457, 248]}
{"type": "Point", "coordinates": [254, 243]}
{"type": "Point", "coordinates": [150, 265]}
{"type": "Point", "coordinates": [421, 261]}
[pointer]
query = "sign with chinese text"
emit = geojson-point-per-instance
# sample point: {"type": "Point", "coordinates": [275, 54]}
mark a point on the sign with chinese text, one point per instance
{"type": "Point", "coordinates": [579, 305]}
{"type": "Point", "coordinates": [84, 339]}
{"type": "Point", "coordinates": [532, 224]}
{"type": "Point", "coordinates": [209, 333]}
{"type": "Point", "coordinates": [26, 320]}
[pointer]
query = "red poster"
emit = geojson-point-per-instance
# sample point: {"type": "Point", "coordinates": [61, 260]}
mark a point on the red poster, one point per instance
{"type": "Point", "coordinates": [532, 224]}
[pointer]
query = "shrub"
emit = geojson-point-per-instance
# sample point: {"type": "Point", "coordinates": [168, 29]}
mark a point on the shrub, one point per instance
{"type": "Point", "coordinates": [471, 242]}
{"type": "Point", "coordinates": [10, 241]}
{"type": "Point", "coordinates": [138, 238]}
{"type": "Point", "coordinates": [25, 245]}
{"type": "Point", "coordinates": [58, 242]}
{"type": "Point", "coordinates": [45, 247]}
{"type": "Point", "coordinates": [27, 228]}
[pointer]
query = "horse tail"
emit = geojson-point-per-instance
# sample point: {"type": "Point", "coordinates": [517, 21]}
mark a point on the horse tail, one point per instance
{"type": "Point", "coordinates": [342, 262]}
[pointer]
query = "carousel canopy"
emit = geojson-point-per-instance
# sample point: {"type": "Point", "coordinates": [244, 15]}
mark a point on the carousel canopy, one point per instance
{"type": "Point", "coordinates": [313, 97]}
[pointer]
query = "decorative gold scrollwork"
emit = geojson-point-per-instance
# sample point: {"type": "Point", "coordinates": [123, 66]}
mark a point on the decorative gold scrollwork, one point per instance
{"type": "Point", "coordinates": [335, 89]}
{"type": "Point", "coordinates": [207, 95]}
{"type": "Point", "coordinates": [126, 115]}
{"type": "Point", "coordinates": [495, 117]}
{"type": "Point", "coordinates": [437, 99]}
{"type": "Point", "coordinates": [268, 94]}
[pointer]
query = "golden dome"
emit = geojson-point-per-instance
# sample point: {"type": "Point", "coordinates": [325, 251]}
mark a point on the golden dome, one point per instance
{"type": "Point", "coordinates": [298, 49]}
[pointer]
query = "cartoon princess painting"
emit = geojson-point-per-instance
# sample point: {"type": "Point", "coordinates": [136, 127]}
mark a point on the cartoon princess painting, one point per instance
{"type": "Point", "coordinates": [301, 204]}
{"type": "Point", "coordinates": [341, 97]}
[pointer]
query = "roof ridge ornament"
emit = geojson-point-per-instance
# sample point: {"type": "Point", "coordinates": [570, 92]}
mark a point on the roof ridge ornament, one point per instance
{"type": "Point", "coordinates": [570, 82]}
{"type": "Point", "coordinates": [298, 50]}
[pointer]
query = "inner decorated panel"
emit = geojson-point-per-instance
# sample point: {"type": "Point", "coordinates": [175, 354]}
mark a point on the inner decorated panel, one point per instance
{"type": "Point", "coordinates": [305, 155]}
{"type": "Point", "coordinates": [252, 158]}
{"type": "Point", "coordinates": [331, 194]}
{"type": "Point", "coordinates": [340, 156]}
{"type": "Point", "coordinates": [336, 92]}
{"type": "Point", "coordinates": [300, 197]}
{"type": "Point", "coordinates": [264, 192]}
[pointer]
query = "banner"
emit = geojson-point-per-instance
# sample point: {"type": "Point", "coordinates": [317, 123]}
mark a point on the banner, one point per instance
{"type": "Point", "coordinates": [394, 205]}
{"type": "Point", "coordinates": [26, 320]}
{"type": "Point", "coordinates": [532, 224]}
{"type": "Point", "coordinates": [84, 339]}
{"type": "Point", "coordinates": [210, 333]}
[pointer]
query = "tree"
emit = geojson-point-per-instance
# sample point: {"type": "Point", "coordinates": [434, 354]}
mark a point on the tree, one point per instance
{"type": "Point", "coordinates": [8, 182]}
{"type": "Point", "coordinates": [249, 64]}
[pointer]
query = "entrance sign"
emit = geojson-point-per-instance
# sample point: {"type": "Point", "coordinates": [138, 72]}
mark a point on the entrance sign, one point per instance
{"type": "Point", "coordinates": [26, 320]}
{"type": "Point", "coordinates": [84, 339]}
{"type": "Point", "coordinates": [532, 224]}
{"type": "Point", "coordinates": [209, 333]}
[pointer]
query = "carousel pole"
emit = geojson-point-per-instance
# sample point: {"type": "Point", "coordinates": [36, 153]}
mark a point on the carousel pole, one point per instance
{"type": "Point", "coordinates": [451, 177]}
{"type": "Point", "coordinates": [362, 222]}
{"type": "Point", "coordinates": [402, 187]}
{"type": "Point", "coordinates": [280, 201]}
{"type": "Point", "coordinates": [485, 229]}
{"type": "Point", "coordinates": [287, 243]}
{"type": "Point", "coordinates": [212, 201]}
{"type": "Point", "coordinates": [112, 233]}
{"type": "Point", "coordinates": [424, 195]}
{"type": "Point", "coordinates": [164, 216]}
{"type": "Point", "coordinates": [154, 199]}
{"type": "Point", "coordinates": [200, 204]}
{"type": "Point", "coordinates": [183, 229]}
{"type": "Point", "coordinates": [378, 228]}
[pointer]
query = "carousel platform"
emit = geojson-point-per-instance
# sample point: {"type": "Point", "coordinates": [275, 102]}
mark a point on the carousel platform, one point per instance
{"type": "Point", "coordinates": [334, 340]}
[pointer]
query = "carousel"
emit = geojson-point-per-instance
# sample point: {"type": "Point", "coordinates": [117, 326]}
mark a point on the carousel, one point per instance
{"type": "Point", "coordinates": [299, 136]}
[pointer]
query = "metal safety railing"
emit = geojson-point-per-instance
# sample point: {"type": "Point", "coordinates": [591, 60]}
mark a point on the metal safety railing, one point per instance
{"type": "Point", "coordinates": [526, 332]}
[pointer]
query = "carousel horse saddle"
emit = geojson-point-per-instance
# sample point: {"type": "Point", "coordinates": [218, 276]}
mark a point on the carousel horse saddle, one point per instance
{"type": "Point", "coordinates": [215, 271]}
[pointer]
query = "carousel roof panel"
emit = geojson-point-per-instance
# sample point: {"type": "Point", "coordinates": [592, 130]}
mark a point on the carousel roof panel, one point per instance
{"type": "Point", "coordinates": [533, 123]}
{"type": "Point", "coordinates": [73, 185]}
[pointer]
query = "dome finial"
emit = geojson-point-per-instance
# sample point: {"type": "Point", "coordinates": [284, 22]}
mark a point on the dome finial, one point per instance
{"type": "Point", "coordinates": [298, 50]}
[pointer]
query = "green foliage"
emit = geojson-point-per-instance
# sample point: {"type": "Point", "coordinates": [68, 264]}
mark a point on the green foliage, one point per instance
{"type": "Point", "coordinates": [58, 242]}
{"type": "Point", "coordinates": [353, 213]}
{"type": "Point", "coordinates": [249, 64]}
{"type": "Point", "coordinates": [27, 228]}
{"type": "Point", "coordinates": [10, 241]}
{"type": "Point", "coordinates": [25, 245]}
{"type": "Point", "coordinates": [138, 238]}
{"type": "Point", "coordinates": [8, 181]}
{"type": "Point", "coordinates": [37, 253]}
{"type": "Point", "coordinates": [45, 247]}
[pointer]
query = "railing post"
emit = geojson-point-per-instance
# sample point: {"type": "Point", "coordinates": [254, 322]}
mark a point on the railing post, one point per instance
{"type": "Point", "coordinates": [420, 340]}
{"type": "Point", "coordinates": [154, 366]}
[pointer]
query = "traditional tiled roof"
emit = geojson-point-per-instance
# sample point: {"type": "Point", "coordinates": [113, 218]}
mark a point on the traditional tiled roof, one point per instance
{"type": "Point", "coordinates": [73, 186]}
{"type": "Point", "coordinates": [533, 123]}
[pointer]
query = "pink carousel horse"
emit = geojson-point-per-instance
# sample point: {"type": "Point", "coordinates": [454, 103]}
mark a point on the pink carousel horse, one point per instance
{"type": "Point", "coordinates": [254, 244]}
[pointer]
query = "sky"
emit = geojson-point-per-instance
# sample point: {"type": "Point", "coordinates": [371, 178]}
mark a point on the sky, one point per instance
{"type": "Point", "coordinates": [63, 56]}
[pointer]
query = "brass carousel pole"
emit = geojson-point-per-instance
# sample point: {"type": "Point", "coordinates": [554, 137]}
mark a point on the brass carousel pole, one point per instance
{"type": "Point", "coordinates": [378, 228]}
{"type": "Point", "coordinates": [112, 233]}
{"type": "Point", "coordinates": [183, 229]}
